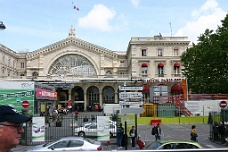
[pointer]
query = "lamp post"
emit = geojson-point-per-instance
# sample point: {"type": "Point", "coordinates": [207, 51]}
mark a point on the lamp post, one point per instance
{"type": "Point", "coordinates": [2, 26]}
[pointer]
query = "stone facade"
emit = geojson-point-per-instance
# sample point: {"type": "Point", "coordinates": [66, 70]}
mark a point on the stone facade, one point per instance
{"type": "Point", "coordinates": [94, 71]}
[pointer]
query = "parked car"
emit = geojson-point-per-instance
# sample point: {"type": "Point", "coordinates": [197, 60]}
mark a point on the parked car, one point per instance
{"type": "Point", "coordinates": [172, 144]}
{"type": "Point", "coordinates": [69, 144]}
{"type": "Point", "coordinates": [91, 130]}
{"type": "Point", "coordinates": [90, 122]}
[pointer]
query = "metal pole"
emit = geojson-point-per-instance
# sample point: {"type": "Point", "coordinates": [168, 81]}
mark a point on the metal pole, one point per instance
{"type": "Point", "coordinates": [125, 127]}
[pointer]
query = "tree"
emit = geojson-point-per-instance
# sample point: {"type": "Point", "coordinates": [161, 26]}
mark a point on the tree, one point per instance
{"type": "Point", "coordinates": [206, 63]}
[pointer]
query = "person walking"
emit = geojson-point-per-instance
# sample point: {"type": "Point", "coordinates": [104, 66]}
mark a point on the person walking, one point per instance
{"type": "Point", "coordinates": [11, 127]}
{"type": "Point", "coordinates": [158, 132]}
{"type": "Point", "coordinates": [120, 132]}
{"type": "Point", "coordinates": [193, 134]}
{"type": "Point", "coordinates": [221, 129]}
{"type": "Point", "coordinates": [226, 135]}
{"type": "Point", "coordinates": [76, 115]}
{"type": "Point", "coordinates": [133, 135]}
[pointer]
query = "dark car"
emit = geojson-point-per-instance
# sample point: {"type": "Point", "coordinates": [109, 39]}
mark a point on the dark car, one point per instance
{"type": "Point", "coordinates": [172, 144]}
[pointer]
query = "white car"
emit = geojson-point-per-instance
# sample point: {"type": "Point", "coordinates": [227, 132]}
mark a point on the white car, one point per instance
{"type": "Point", "coordinates": [90, 122]}
{"type": "Point", "coordinates": [91, 130]}
{"type": "Point", "coordinates": [69, 144]}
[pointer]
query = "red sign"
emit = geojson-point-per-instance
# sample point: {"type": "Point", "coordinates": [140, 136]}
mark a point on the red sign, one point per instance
{"type": "Point", "coordinates": [223, 104]}
{"type": "Point", "coordinates": [45, 94]}
{"type": "Point", "coordinates": [25, 104]}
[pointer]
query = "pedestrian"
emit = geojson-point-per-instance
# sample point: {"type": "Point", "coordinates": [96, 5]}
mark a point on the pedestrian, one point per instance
{"type": "Point", "coordinates": [120, 132]}
{"type": "Point", "coordinates": [76, 115]}
{"type": "Point", "coordinates": [11, 127]}
{"type": "Point", "coordinates": [215, 131]}
{"type": "Point", "coordinates": [133, 136]}
{"type": "Point", "coordinates": [221, 132]}
{"type": "Point", "coordinates": [226, 135]}
{"type": "Point", "coordinates": [158, 132]}
{"type": "Point", "coordinates": [193, 134]}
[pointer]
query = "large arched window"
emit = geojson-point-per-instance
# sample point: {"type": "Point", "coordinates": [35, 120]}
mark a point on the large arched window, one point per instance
{"type": "Point", "coordinates": [72, 64]}
{"type": "Point", "coordinates": [108, 95]}
{"type": "Point", "coordinates": [93, 96]}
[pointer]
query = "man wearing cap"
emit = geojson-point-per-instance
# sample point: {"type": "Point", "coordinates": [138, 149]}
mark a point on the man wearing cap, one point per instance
{"type": "Point", "coordinates": [11, 127]}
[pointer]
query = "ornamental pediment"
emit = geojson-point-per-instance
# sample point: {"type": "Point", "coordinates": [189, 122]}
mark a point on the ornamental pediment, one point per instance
{"type": "Point", "coordinates": [77, 43]}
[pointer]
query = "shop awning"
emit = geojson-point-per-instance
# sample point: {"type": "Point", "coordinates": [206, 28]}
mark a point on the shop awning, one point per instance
{"type": "Point", "coordinates": [177, 88]}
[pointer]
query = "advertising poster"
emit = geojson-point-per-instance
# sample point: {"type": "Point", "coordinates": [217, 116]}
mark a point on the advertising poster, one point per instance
{"type": "Point", "coordinates": [103, 128]}
{"type": "Point", "coordinates": [18, 94]}
{"type": "Point", "coordinates": [38, 129]}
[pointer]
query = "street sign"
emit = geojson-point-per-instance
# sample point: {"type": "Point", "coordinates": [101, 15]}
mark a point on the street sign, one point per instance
{"type": "Point", "coordinates": [223, 104]}
{"type": "Point", "coordinates": [25, 104]}
{"type": "Point", "coordinates": [126, 95]}
{"type": "Point", "coordinates": [125, 88]}
{"type": "Point", "coordinates": [132, 110]}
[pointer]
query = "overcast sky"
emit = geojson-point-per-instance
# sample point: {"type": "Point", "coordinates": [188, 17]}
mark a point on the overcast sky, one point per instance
{"type": "Point", "coordinates": [33, 24]}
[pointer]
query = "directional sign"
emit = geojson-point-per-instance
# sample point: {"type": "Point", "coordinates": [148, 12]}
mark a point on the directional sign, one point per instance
{"type": "Point", "coordinates": [125, 88]}
{"type": "Point", "coordinates": [126, 95]}
{"type": "Point", "coordinates": [132, 110]}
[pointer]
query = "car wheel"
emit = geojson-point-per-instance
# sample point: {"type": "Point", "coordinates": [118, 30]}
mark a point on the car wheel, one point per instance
{"type": "Point", "coordinates": [81, 134]}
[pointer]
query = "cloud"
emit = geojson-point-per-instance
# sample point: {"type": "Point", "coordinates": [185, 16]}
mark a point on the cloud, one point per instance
{"type": "Point", "coordinates": [209, 16]}
{"type": "Point", "coordinates": [98, 18]}
{"type": "Point", "coordinates": [135, 2]}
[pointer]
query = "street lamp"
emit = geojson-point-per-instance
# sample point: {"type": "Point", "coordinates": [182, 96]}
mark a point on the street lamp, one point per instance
{"type": "Point", "coordinates": [2, 26]}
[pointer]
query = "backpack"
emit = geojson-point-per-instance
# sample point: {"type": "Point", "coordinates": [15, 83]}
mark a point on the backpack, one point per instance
{"type": "Point", "coordinates": [153, 131]}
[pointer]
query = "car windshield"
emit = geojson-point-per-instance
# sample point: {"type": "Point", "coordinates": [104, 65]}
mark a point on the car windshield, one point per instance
{"type": "Point", "coordinates": [47, 144]}
{"type": "Point", "coordinates": [154, 145]}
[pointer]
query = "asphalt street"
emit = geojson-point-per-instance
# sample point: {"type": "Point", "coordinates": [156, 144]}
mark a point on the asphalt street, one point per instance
{"type": "Point", "coordinates": [177, 131]}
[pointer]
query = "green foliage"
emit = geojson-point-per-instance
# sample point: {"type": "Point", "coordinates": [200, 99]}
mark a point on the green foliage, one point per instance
{"type": "Point", "coordinates": [206, 63]}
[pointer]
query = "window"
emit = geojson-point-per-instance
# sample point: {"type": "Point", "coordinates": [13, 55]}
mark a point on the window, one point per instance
{"type": "Point", "coordinates": [121, 63]}
{"type": "Point", "coordinates": [176, 70]}
{"type": "Point", "coordinates": [143, 52]}
{"type": "Point", "coordinates": [160, 71]}
{"type": "Point", "coordinates": [144, 70]}
{"type": "Point", "coordinates": [35, 74]}
{"type": "Point", "coordinates": [160, 52]}
{"type": "Point", "coordinates": [22, 65]}
{"type": "Point", "coordinates": [175, 52]}
{"type": "Point", "coordinates": [122, 74]}
{"type": "Point", "coordinates": [108, 74]}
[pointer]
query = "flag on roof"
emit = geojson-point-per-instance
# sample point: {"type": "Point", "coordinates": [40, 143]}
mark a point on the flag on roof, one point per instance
{"type": "Point", "coordinates": [76, 8]}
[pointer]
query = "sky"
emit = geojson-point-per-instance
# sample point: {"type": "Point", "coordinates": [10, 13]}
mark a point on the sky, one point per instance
{"type": "Point", "coordinates": [33, 24]}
